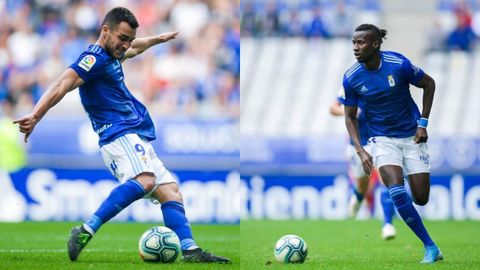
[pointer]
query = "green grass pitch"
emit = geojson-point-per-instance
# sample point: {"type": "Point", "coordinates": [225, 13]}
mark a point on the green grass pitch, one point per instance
{"type": "Point", "coordinates": [42, 245]}
{"type": "Point", "coordinates": [357, 245]}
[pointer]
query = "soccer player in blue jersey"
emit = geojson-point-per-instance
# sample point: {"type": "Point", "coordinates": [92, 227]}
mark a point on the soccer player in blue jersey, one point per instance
{"type": "Point", "coordinates": [397, 130]}
{"type": "Point", "coordinates": [125, 130]}
{"type": "Point", "coordinates": [362, 180]}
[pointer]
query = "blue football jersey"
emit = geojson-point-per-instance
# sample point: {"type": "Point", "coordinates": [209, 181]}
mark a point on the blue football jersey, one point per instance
{"type": "Point", "coordinates": [385, 93]}
{"type": "Point", "coordinates": [112, 109]}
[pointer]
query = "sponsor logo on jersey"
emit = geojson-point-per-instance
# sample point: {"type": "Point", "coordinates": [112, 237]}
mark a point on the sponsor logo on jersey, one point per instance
{"type": "Point", "coordinates": [391, 81]}
{"type": "Point", "coordinates": [87, 62]}
{"type": "Point", "coordinates": [103, 128]}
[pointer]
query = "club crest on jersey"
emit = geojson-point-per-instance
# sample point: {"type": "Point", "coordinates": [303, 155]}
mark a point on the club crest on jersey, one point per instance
{"type": "Point", "coordinates": [391, 81]}
{"type": "Point", "coordinates": [87, 62]}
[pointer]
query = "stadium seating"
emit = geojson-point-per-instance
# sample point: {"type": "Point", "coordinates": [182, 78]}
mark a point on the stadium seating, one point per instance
{"type": "Point", "coordinates": [289, 84]}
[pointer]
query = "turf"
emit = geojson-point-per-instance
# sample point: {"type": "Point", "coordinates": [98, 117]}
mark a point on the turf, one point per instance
{"type": "Point", "coordinates": [42, 245]}
{"type": "Point", "coordinates": [357, 245]}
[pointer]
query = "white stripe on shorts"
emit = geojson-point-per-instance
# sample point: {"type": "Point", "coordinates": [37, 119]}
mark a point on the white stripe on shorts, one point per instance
{"type": "Point", "coordinates": [131, 157]}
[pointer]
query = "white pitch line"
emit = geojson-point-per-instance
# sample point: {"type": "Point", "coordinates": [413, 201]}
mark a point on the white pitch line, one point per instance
{"type": "Point", "coordinates": [59, 250]}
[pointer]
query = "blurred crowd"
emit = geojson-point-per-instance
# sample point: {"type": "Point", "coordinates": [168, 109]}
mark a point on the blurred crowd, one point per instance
{"type": "Point", "coordinates": [306, 18]}
{"type": "Point", "coordinates": [456, 22]}
{"type": "Point", "coordinates": [196, 75]}
{"type": "Point", "coordinates": [456, 25]}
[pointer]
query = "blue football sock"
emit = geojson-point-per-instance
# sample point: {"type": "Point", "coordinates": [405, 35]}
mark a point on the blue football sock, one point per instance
{"type": "Point", "coordinates": [387, 206]}
{"type": "Point", "coordinates": [175, 219]}
{"type": "Point", "coordinates": [120, 197]}
{"type": "Point", "coordinates": [409, 214]}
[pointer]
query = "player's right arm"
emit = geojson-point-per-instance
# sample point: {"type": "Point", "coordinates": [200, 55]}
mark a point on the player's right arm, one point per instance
{"type": "Point", "coordinates": [68, 81]}
{"type": "Point", "coordinates": [350, 104]}
{"type": "Point", "coordinates": [351, 121]}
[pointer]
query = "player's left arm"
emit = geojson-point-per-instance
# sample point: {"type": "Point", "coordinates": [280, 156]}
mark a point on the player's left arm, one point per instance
{"type": "Point", "coordinates": [428, 85]}
{"type": "Point", "coordinates": [139, 45]}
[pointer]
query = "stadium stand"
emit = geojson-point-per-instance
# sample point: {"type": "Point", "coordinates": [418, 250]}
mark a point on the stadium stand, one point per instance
{"type": "Point", "coordinates": [195, 76]}
{"type": "Point", "coordinates": [288, 82]}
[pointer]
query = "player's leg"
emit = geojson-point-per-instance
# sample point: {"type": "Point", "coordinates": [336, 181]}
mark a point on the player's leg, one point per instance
{"type": "Point", "coordinates": [403, 203]}
{"type": "Point", "coordinates": [419, 187]}
{"type": "Point", "coordinates": [167, 193]}
{"type": "Point", "coordinates": [417, 167]}
{"type": "Point", "coordinates": [174, 213]}
{"type": "Point", "coordinates": [136, 177]}
{"type": "Point", "coordinates": [119, 198]}
{"type": "Point", "coordinates": [174, 217]}
{"type": "Point", "coordinates": [388, 155]}
{"type": "Point", "coordinates": [392, 176]}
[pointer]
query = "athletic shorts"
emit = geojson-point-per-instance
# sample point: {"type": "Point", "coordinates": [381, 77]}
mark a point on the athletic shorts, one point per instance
{"type": "Point", "coordinates": [403, 152]}
{"type": "Point", "coordinates": [355, 164]}
{"type": "Point", "coordinates": [129, 155]}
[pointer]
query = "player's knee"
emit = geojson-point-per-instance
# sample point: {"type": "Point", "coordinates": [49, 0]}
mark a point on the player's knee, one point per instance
{"type": "Point", "coordinates": [168, 192]}
{"type": "Point", "coordinates": [147, 180]}
{"type": "Point", "coordinates": [421, 201]}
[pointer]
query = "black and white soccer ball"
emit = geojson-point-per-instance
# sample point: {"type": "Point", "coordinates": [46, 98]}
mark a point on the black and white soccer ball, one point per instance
{"type": "Point", "coordinates": [159, 244]}
{"type": "Point", "coordinates": [290, 249]}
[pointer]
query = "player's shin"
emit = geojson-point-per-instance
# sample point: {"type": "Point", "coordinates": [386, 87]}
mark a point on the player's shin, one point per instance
{"type": "Point", "coordinates": [119, 198]}
{"type": "Point", "coordinates": [409, 214]}
{"type": "Point", "coordinates": [174, 218]}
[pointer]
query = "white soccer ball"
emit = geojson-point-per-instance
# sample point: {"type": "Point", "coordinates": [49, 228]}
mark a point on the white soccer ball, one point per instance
{"type": "Point", "coordinates": [290, 249]}
{"type": "Point", "coordinates": [159, 244]}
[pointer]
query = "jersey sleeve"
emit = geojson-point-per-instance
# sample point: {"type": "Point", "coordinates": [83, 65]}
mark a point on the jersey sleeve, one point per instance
{"type": "Point", "coordinates": [88, 66]}
{"type": "Point", "coordinates": [341, 95]}
{"type": "Point", "coordinates": [350, 97]}
{"type": "Point", "coordinates": [412, 72]}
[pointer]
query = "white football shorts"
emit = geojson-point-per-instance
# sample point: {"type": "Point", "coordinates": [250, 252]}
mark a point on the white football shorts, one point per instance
{"type": "Point", "coordinates": [403, 152]}
{"type": "Point", "coordinates": [355, 164]}
{"type": "Point", "coordinates": [129, 155]}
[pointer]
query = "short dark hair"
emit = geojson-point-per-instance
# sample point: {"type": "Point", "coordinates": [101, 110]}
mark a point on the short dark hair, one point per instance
{"type": "Point", "coordinates": [120, 14]}
{"type": "Point", "coordinates": [380, 34]}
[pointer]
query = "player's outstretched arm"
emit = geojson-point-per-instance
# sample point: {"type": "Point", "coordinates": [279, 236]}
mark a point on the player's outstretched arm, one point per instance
{"type": "Point", "coordinates": [68, 81]}
{"type": "Point", "coordinates": [428, 85]}
{"type": "Point", "coordinates": [139, 45]}
{"type": "Point", "coordinates": [351, 121]}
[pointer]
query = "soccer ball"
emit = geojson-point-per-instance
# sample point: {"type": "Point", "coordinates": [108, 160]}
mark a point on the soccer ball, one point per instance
{"type": "Point", "coordinates": [159, 244]}
{"type": "Point", "coordinates": [290, 249]}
